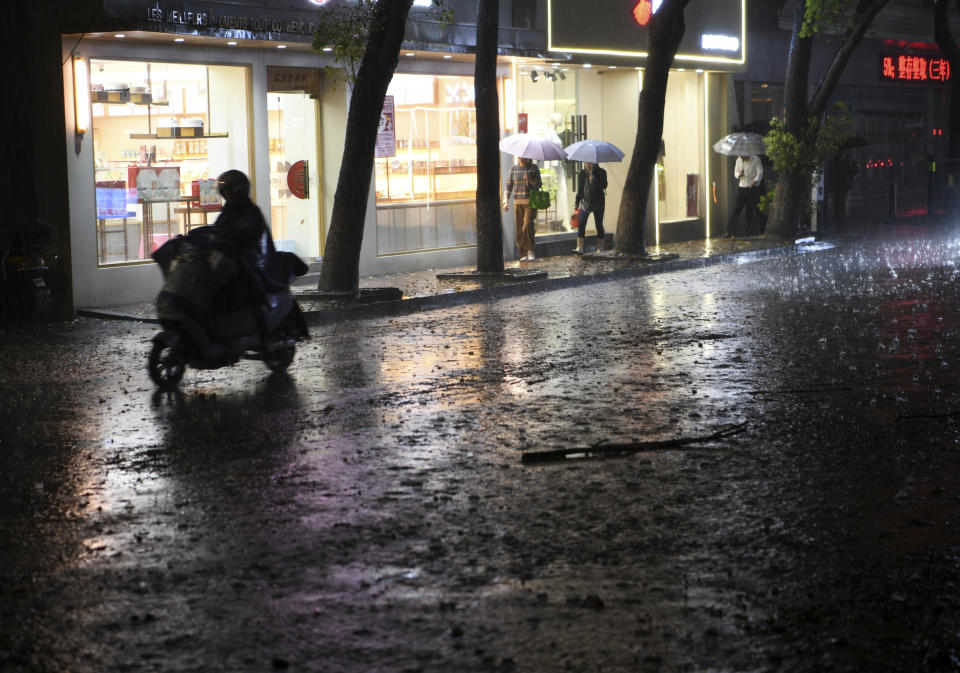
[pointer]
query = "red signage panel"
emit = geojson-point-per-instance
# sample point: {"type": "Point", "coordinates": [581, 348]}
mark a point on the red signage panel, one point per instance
{"type": "Point", "coordinates": [914, 68]}
{"type": "Point", "coordinates": [298, 180]}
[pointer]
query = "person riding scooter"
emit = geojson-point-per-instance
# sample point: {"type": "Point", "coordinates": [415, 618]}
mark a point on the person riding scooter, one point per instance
{"type": "Point", "coordinates": [241, 220]}
{"type": "Point", "coordinates": [217, 274]}
{"type": "Point", "coordinates": [243, 225]}
{"type": "Point", "coordinates": [226, 293]}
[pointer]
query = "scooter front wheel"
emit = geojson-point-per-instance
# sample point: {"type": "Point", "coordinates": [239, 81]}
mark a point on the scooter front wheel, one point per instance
{"type": "Point", "coordinates": [167, 361]}
{"type": "Point", "coordinates": [278, 359]}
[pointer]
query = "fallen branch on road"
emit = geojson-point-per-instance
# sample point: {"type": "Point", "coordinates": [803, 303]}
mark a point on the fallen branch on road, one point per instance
{"type": "Point", "coordinates": [926, 416]}
{"type": "Point", "coordinates": [602, 450]}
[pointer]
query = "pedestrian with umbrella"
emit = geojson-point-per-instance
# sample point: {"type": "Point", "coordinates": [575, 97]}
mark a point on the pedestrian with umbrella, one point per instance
{"type": "Point", "coordinates": [524, 177]}
{"type": "Point", "coordinates": [591, 186]}
{"type": "Point", "coordinates": [749, 172]}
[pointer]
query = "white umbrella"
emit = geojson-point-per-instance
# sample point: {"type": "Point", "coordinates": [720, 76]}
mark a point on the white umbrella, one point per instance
{"type": "Point", "coordinates": [594, 151]}
{"type": "Point", "coordinates": [741, 144]}
{"type": "Point", "coordinates": [532, 147]}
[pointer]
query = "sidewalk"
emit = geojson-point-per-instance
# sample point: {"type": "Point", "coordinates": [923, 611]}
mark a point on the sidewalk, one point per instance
{"type": "Point", "coordinates": [422, 290]}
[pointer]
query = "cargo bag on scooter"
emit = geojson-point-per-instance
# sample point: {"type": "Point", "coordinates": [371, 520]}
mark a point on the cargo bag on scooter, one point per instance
{"type": "Point", "coordinates": [193, 277]}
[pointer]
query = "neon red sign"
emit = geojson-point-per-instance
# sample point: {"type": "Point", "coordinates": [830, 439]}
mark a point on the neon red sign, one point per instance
{"type": "Point", "coordinates": [913, 68]}
{"type": "Point", "coordinates": [642, 12]}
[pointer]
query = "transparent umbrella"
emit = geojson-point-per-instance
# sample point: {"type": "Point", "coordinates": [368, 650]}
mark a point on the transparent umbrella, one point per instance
{"type": "Point", "coordinates": [594, 151]}
{"type": "Point", "coordinates": [741, 144]}
{"type": "Point", "coordinates": [532, 147]}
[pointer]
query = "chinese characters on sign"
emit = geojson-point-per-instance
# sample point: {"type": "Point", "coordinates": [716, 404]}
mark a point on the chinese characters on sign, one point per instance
{"type": "Point", "coordinates": [913, 68]}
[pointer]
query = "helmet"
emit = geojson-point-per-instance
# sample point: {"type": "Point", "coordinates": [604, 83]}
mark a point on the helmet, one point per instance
{"type": "Point", "coordinates": [233, 183]}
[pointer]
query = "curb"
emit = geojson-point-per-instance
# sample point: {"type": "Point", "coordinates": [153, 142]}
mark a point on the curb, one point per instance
{"type": "Point", "coordinates": [497, 292]}
{"type": "Point", "coordinates": [508, 291]}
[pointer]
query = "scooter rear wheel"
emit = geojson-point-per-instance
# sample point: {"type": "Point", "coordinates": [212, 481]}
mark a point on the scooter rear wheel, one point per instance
{"type": "Point", "coordinates": [167, 362]}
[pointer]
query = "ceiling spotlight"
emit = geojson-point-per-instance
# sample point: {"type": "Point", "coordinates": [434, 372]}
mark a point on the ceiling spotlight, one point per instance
{"type": "Point", "coordinates": [552, 76]}
{"type": "Point", "coordinates": [533, 75]}
{"type": "Point", "coordinates": [562, 76]}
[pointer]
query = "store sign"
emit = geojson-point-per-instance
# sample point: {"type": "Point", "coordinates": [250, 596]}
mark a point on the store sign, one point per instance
{"type": "Point", "coordinates": [911, 68]}
{"type": "Point", "coordinates": [263, 17]}
{"type": "Point", "coordinates": [386, 131]}
{"type": "Point", "coordinates": [298, 179]}
{"type": "Point", "coordinates": [715, 30]}
{"type": "Point", "coordinates": [283, 78]}
{"type": "Point", "coordinates": [259, 19]}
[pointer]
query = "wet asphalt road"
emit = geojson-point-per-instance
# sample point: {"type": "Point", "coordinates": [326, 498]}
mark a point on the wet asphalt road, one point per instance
{"type": "Point", "coordinates": [371, 512]}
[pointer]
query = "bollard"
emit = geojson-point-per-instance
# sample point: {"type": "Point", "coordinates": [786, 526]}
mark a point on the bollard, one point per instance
{"type": "Point", "coordinates": [893, 201]}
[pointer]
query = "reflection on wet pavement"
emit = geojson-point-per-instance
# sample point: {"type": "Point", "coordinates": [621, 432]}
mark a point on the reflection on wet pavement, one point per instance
{"type": "Point", "coordinates": [371, 511]}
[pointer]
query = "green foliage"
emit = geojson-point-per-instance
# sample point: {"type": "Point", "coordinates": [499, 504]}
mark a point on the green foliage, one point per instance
{"type": "Point", "coordinates": [344, 29]}
{"type": "Point", "coordinates": [764, 202]}
{"type": "Point", "coordinates": [805, 153]}
{"type": "Point", "coordinates": [827, 16]}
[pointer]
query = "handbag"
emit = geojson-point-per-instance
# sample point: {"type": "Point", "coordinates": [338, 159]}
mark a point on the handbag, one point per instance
{"type": "Point", "coordinates": [575, 219]}
{"type": "Point", "coordinates": [539, 199]}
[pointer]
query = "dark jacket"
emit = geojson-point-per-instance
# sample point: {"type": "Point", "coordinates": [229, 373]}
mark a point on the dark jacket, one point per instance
{"type": "Point", "coordinates": [243, 225]}
{"type": "Point", "coordinates": [590, 190]}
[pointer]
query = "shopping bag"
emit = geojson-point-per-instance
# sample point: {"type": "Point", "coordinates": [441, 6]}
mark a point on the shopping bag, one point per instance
{"type": "Point", "coordinates": [539, 199]}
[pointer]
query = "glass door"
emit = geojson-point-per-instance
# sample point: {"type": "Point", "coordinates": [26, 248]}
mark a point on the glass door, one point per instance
{"type": "Point", "coordinates": [295, 198]}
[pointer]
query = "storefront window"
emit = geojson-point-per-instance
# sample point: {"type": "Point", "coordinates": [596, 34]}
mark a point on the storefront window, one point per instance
{"type": "Point", "coordinates": [547, 100]}
{"type": "Point", "coordinates": [426, 181]}
{"type": "Point", "coordinates": [162, 132]}
{"type": "Point", "coordinates": [295, 189]}
{"type": "Point", "coordinates": [679, 185]}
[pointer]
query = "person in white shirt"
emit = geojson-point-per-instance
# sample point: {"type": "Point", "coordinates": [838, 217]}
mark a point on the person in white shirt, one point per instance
{"type": "Point", "coordinates": [749, 170]}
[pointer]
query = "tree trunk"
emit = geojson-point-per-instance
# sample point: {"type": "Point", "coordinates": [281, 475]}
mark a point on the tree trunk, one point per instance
{"type": "Point", "coordinates": [788, 201]}
{"type": "Point", "coordinates": [666, 31]}
{"type": "Point", "coordinates": [788, 205]}
{"type": "Point", "coordinates": [341, 260]}
{"type": "Point", "coordinates": [947, 44]}
{"type": "Point", "coordinates": [782, 221]}
{"type": "Point", "coordinates": [489, 228]}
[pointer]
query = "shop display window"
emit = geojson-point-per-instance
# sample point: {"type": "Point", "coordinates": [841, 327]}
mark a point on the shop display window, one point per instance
{"type": "Point", "coordinates": [435, 158]}
{"type": "Point", "coordinates": [546, 102]}
{"type": "Point", "coordinates": [431, 162]}
{"type": "Point", "coordinates": [679, 170]}
{"type": "Point", "coordinates": [162, 133]}
{"type": "Point", "coordinates": [295, 187]}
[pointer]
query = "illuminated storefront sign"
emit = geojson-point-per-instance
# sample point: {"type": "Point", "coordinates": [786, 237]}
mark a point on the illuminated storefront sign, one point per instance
{"type": "Point", "coordinates": [913, 68]}
{"type": "Point", "coordinates": [715, 29]}
{"type": "Point", "coordinates": [719, 43]}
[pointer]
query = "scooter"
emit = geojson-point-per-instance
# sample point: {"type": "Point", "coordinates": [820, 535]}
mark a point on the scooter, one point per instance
{"type": "Point", "coordinates": [25, 276]}
{"type": "Point", "coordinates": [266, 329]}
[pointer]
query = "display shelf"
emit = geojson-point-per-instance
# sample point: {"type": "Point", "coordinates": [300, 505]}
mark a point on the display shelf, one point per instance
{"type": "Point", "coordinates": [156, 103]}
{"type": "Point", "coordinates": [154, 136]}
